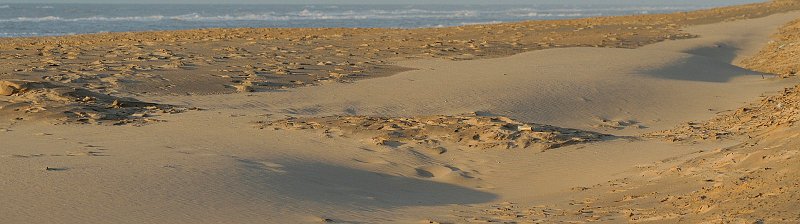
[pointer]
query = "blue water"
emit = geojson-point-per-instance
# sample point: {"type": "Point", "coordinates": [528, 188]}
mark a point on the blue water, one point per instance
{"type": "Point", "coordinates": [63, 19]}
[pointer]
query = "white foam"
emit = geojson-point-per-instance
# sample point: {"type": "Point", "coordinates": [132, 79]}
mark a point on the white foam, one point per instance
{"type": "Point", "coordinates": [62, 19]}
{"type": "Point", "coordinates": [481, 23]}
{"type": "Point", "coordinates": [93, 18]}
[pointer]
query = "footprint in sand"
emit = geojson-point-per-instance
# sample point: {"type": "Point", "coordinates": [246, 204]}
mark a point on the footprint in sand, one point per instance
{"type": "Point", "coordinates": [618, 124]}
{"type": "Point", "coordinates": [27, 156]}
{"type": "Point", "coordinates": [274, 167]}
{"type": "Point", "coordinates": [373, 160]}
{"type": "Point", "coordinates": [86, 153]}
{"type": "Point", "coordinates": [56, 168]}
{"type": "Point", "coordinates": [262, 165]}
{"type": "Point", "coordinates": [440, 171]}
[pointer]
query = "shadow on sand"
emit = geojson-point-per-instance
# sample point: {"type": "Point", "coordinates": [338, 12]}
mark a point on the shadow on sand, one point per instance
{"type": "Point", "coordinates": [706, 64]}
{"type": "Point", "coordinates": [336, 185]}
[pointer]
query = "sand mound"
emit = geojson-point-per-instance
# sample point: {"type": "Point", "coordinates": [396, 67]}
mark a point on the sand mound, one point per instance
{"type": "Point", "coordinates": [24, 100]}
{"type": "Point", "coordinates": [469, 131]}
{"type": "Point", "coordinates": [771, 112]}
{"type": "Point", "coordinates": [781, 55]}
{"type": "Point", "coordinates": [749, 183]}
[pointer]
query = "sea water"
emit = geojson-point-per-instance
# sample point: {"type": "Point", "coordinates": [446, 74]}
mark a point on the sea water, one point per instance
{"type": "Point", "coordinates": [18, 20]}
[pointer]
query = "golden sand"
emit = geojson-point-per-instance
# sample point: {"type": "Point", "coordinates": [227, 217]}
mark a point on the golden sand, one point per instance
{"type": "Point", "coordinates": [409, 126]}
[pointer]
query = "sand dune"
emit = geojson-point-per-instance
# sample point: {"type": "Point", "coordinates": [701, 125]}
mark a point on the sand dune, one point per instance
{"type": "Point", "coordinates": [443, 141]}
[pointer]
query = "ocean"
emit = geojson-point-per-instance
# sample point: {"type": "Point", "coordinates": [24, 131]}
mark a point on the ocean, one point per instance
{"type": "Point", "coordinates": [20, 20]}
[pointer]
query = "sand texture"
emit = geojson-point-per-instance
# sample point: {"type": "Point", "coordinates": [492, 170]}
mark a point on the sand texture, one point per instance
{"type": "Point", "coordinates": [470, 131]}
{"type": "Point", "coordinates": [49, 102]}
{"type": "Point", "coordinates": [230, 60]}
{"type": "Point", "coordinates": [679, 118]}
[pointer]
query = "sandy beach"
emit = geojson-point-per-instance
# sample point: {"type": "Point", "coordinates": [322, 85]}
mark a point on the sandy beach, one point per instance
{"type": "Point", "coordinates": [670, 118]}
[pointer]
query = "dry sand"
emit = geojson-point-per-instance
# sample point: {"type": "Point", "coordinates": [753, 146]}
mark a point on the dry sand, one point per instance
{"type": "Point", "coordinates": [214, 61]}
{"type": "Point", "coordinates": [578, 134]}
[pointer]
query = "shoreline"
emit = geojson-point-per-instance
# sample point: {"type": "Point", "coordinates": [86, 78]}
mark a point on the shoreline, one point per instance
{"type": "Point", "coordinates": [122, 33]}
{"type": "Point", "coordinates": [463, 24]}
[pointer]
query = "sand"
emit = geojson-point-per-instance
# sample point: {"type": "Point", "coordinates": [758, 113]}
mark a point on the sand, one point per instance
{"type": "Point", "coordinates": [431, 133]}
{"type": "Point", "coordinates": [188, 127]}
{"type": "Point", "coordinates": [216, 61]}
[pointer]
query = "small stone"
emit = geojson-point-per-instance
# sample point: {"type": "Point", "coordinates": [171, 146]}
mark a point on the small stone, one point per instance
{"type": "Point", "coordinates": [244, 88]}
{"type": "Point", "coordinates": [524, 127]}
{"type": "Point", "coordinates": [6, 90]}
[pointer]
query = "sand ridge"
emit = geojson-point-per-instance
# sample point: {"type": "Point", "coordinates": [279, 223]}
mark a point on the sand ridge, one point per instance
{"type": "Point", "coordinates": [772, 112]}
{"type": "Point", "coordinates": [60, 104]}
{"type": "Point", "coordinates": [431, 133]}
{"type": "Point", "coordinates": [780, 54]}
